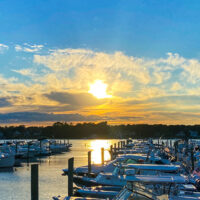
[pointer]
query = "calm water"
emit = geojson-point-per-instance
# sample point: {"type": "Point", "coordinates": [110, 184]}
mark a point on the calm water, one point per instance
{"type": "Point", "coordinates": [15, 185]}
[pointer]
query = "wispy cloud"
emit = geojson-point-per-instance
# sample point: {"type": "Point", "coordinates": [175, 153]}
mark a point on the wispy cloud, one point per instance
{"type": "Point", "coordinates": [18, 117]}
{"type": "Point", "coordinates": [3, 48]}
{"type": "Point", "coordinates": [141, 88]}
{"type": "Point", "coordinates": [29, 48]}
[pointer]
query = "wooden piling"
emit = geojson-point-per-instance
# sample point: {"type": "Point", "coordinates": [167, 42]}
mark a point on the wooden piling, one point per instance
{"type": "Point", "coordinates": [118, 146]}
{"type": "Point", "coordinates": [16, 147]}
{"type": "Point", "coordinates": [124, 143]}
{"type": "Point", "coordinates": [111, 152]}
{"type": "Point", "coordinates": [34, 182]}
{"type": "Point", "coordinates": [89, 162]}
{"type": "Point", "coordinates": [70, 176]}
{"type": "Point", "coordinates": [49, 147]}
{"type": "Point", "coordinates": [115, 150]}
{"type": "Point", "coordinates": [40, 147]}
{"type": "Point", "coordinates": [102, 156]}
{"type": "Point", "coordinates": [28, 151]}
{"type": "Point", "coordinates": [121, 144]}
{"type": "Point", "coordinates": [192, 158]}
{"type": "Point", "coordinates": [175, 150]}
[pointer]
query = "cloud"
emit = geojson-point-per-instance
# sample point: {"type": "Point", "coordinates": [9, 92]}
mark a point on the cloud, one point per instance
{"type": "Point", "coordinates": [191, 71]}
{"type": "Point", "coordinates": [20, 117]}
{"type": "Point", "coordinates": [75, 99]}
{"type": "Point", "coordinates": [176, 86]}
{"type": "Point", "coordinates": [141, 88]}
{"type": "Point", "coordinates": [79, 65]}
{"type": "Point", "coordinates": [28, 48]}
{"type": "Point", "coordinates": [4, 102]}
{"type": "Point", "coordinates": [24, 72]}
{"type": "Point", "coordinates": [174, 99]}
{"type": "Point", "coordinates": [3, 48]}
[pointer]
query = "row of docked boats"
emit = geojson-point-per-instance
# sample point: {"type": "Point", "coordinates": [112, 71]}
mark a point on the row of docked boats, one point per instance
{"type": "Point", "coordinates": [141, 170]}
{"type": "Point", "coordinates": [11, 152]}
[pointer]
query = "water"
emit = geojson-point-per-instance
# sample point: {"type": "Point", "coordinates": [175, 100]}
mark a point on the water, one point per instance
{"type": "Point", "coordinates": [15, 185]}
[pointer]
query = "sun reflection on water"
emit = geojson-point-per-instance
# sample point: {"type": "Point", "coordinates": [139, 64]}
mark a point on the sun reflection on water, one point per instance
{"type": "Point", "coordinates": [96, 146]}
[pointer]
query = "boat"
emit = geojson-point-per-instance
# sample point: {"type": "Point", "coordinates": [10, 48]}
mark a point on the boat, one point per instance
{"type": "Point", "coordinates": [110, 165]}
{"type": "Point", "coordinates": [119, 174]}
{"type": "Point", "coordinates": [98, 192]}
{"type": "Point", "coordinates": [7, 158]}
{"type": "Point", "coordinates": [157, 188]}
{"type": "Point", "coordinates": [75, 198]}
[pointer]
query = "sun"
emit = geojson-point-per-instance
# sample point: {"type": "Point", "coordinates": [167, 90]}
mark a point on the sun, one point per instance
{"type": "Point", "coordinates": [98, 89]}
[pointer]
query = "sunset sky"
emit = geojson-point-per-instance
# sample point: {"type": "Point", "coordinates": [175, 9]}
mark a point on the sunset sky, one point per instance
{"type": "Point", "coordinates": [121, 61]}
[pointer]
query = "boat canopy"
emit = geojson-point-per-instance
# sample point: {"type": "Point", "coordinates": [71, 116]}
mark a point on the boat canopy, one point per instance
{"type": "Point", "coordinates": [157, 179]}
{"type": "Point", "coordinates": [154, 167]}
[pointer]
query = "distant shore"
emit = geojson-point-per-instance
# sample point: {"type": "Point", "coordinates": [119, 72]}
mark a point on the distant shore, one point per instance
{"type": "Point", "coordinates": [101, 130]}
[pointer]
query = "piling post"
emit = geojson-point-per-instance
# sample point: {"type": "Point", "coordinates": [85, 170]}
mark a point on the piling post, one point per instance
{"type": "Point", "coordinates": [40, 147]}
{"type": "Point", "coordinates": [111, 152]}
{"type": "Point", "coordinates": [70, 176]}
{"type": "Point", "coordinates": [49, 146]}
{"type": "Point", "coordinates": [175, 149]}
{"type": "Point", "coordinates": [118, 146]}
{"type": "Point", "coordinates": [192, 158]}
{"type": "Point", "coordinates": [89, 163]}
{"type": "Point", "coordinates": [28, 151]}
{"type": "Point", "coordinates": [102, 156]}
{"type": "Point", "coordinates": [115, 150]}
{"type": "Point", "coordinates": [16, 147]}
{"type": "Point", "coordinates": [34, 182]}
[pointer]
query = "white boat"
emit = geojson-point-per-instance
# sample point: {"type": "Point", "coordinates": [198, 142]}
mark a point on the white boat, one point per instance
{"type": "Point", "coordinates": [75, 198]}
{"type": "Point", "coordinates": [58, 148]}
{"type": "Point", "coordinates": [110, 165]}
{"type": "Point", "coordinates": [98, 192]}
{"type": "Point", "coordinates": [149, 187]}
{"type": "Point", "coordinates": [158, 188]}
{"type": "Point", "coordinates": [7, 158]}
{"type": "Point", "coordinates": [119, 176]}
{"type": "Point", "coordinates": [152, 169]}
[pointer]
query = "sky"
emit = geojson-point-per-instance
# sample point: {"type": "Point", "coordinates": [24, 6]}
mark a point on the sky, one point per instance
{"type": "Point", "coordinates": [120, 61]}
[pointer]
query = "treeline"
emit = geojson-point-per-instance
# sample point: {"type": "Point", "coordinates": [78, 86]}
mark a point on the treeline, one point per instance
{"type": "Point", "coordinates": [100, 130]}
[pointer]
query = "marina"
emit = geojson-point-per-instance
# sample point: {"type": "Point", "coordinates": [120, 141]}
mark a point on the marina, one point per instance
{"type": "Point", "coordinates": [15, 183]}
{"type": "Point", "coordinates": [177, 180]}
{"type": "Point", "coordinates": [100, 100]}
{"type": "Point", "coordinates": [109, 171]}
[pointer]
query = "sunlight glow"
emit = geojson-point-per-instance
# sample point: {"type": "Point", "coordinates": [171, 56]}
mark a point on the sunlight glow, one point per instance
{"type": "Point", "coordinates": [98, 89]}
{"type": "Point", "coordinates": [96, 146]}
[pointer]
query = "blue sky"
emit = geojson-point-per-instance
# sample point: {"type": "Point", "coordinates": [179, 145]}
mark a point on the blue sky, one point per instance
{"type": "Point", "coordinates": [143, 28]}
{"type": "Point", "coordinates": [146, 52]}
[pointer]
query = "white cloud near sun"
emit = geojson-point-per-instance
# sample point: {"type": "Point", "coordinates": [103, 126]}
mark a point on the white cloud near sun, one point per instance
{"type": "Point", "coordinates": [69, 73]}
